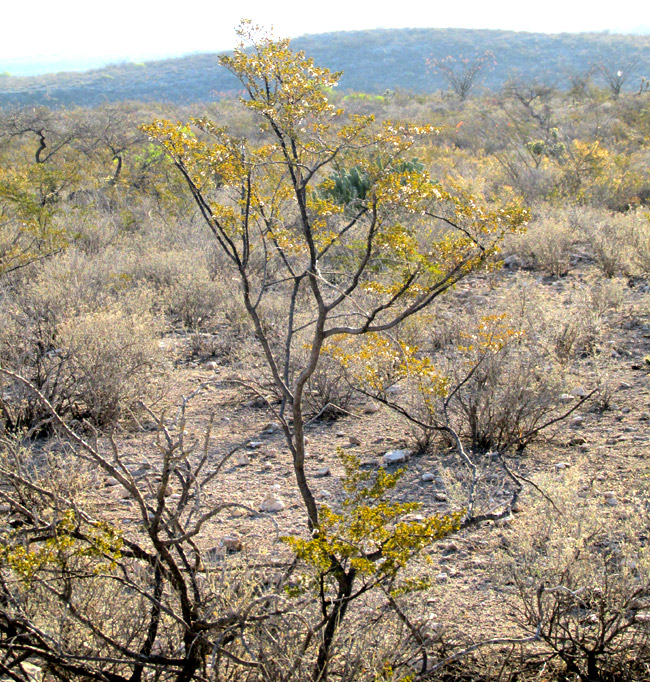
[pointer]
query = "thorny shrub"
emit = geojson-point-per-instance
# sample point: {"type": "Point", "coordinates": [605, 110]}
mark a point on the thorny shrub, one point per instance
{"type": "Point", "coordinates": [490, 373]}
{"type": "Point", "coordinates": [85, 341]}
{"type": "Point", "coordinates": [578, 568]}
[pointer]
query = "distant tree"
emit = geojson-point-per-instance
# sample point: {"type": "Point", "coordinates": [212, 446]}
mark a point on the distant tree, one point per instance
{"type": "Point", "coordinates": [51, 130]}
{"type": "Point", "coordinates": [34, 174]}
{"type": "Point", "coordinates": [463, 73]}
{"type": "Point", "coordinates": [616, 77]}
{"type": "Point", "coordinates": [581, 83]}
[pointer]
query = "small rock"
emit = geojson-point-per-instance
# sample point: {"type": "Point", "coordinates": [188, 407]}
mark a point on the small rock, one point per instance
{"type": "Point", "coordinates": [266, 466]}
{"type": "Point", "coordinates": [579, 392]}
{"type": "Point", "coordinates": [368, 463]}
{"type": "Point", "coordinates": [397, 456]}
{"type": "Point", "coordinates": [577, 440]}
{"type": "Point", "coordinates": [372, 408]}
{"type": "Point", "coordinates": [644, 416]}
{"type": "Point", "coordinates": [393, 390]}
{"type": "Point", "coordinates": [212, 365]}
{"type": "Point", "coordinates": [576, 422]}
{"type": "Point", "coordinates": [611, 501]}
{"type": "Point", "coordinates": [231, 543]}
{"type": "Point", "coordinates": [34, 673]}
{"type": "Point", "coordinates": [625, 410]}
{"type": "Point", "coordinates": [354, 440]}
{"type": "Point", "coordinates": [272, 503]}
{"type": "Point", "coordinates": [561, 466]}
{"type": "Point", "coordinates": [442, 577]}
{"type": "Point", "coordinates": [513, 261]}
{"type": "Point", "coordinates": [323, 471]}
{"type": "Point", "coordinates": [340, 434]}
{"type": "Point", "coordinates": [608, 494]}
{"type": "Point", "coordinates": [623, 386]}
{"type": "Point", "coordinates": [255, 444]}
{"type": "Point", "coordinates": [450, 548]}
{"type": "Point", "coordinates": [440, 497]}
{"type": "Point", "coordinates": [325, 495]}
{"type": "Point", "coordinates": [566, 398]}
{"type": "Point", "coordinates": [428, 477]}
{"type": "Point", "coordinates": [601, 477]}
{"type": "Point", "coordinates": [138, 469]}
{"type": "Point", "coordinates": [272, 427]}
{"type": "Point", "coordinates": [110, 481]}
{"type": "Point", "coordinates": [242, 460]}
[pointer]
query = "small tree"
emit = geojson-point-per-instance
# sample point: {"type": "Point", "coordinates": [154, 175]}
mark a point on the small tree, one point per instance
{"type": "Point", "coordinates": [462, 74]}
{"type": "Point", "coordinates": [334, 222]}
{"type": "Point", "coordinates": [616, 77]}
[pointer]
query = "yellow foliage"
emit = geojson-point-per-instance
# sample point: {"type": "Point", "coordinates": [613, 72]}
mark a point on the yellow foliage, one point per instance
{"type": "Point", "coordinates": [101, 542]}
{"type": "Point", "coordinates": [371, 534]}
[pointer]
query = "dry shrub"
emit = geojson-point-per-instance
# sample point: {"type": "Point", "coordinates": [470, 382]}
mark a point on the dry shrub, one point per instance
{"type": "Point", "coordinates": [328, 390]}
{"type": "Point", "coordinates": [610, 237]}
{"type": "Point", "coordinates": [579, 572]}
{"type": "Point", "coordinates": [194, 298]}
{"type": "Point", "coordinates": [110, 357]}
{"type": "Point", "coordinates": [504, 378]}
{"type": "Point", "coordinates": [94, 230]}
{"type": "Point", "coordinates": [548, 242]}
{"type": "Point", "coordinates": [499, 395]}
{"type": "Point", "coordinates": [85, 338]}
{"type": "Point", "coordinates": [92, 582]}
{"type": "Point", "coordinates": [641, 242]}
{"type": "Point", "coordinates": [188, 289]}
{"type": "Point", "coordinates": [577, 328]}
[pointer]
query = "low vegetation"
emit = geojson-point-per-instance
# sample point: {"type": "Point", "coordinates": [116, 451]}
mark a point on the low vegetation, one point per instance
{"type": "Point", "coordinates": [326, 386]}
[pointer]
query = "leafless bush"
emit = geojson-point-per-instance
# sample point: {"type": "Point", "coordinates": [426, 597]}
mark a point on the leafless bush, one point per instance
{"type": "Point", "coordinates": [88, 363]}
{"type": "Point", "coordinates": [328, 391]}
{"type": "Point", "coordinates": [641, 241]}
{"type": "Point", "coordinates": [153, 587]}
{"type": "Point", "coordinates": [548, 242]}
{"type": "Point", "coordinates": [194, 298]}
{"type": "Point", "coordinates": [580, 571]}
{"type": "Point", "coordinates": [488, 372]}
{"type": "Point", "coordinates": [109, 362]}
{"type": "Point", "coordinates": [609, 237]}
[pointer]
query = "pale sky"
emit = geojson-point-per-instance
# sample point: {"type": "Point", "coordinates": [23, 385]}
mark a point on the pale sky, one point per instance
{"type": "Point", "coordinates": [43, 30]}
